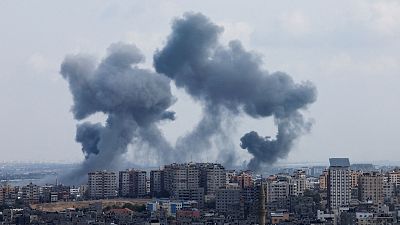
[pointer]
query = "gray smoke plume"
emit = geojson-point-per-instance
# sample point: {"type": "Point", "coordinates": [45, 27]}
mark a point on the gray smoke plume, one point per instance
{"type": "Point", "coordinates": [289, 129]}
{"type": "Point", "coordinates": [226, 80]}
{"type": "Point", "coordinates": [133, 99]}
{"type": "Point", "coordinates": [232, 78]}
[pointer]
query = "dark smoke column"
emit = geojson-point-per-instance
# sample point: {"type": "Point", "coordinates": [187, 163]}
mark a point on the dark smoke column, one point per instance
{"type": "Point", "coordinates": [133, 100]}
{"type": "Point", "coordinates": [229, 78]}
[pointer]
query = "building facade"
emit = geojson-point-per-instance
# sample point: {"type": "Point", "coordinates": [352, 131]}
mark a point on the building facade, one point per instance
{"type": "Point", "coordinates": [277, 190]}
{"type": "Point", "coordinates": [227, 199]}
{"type": "Point", "coordinates": [299, 183]}
{"type": "Point", "coordinates": [157, 183]}
{"type": "Point", "coordinates": [212, 177]}
{"type": "Point", "coordinates": [323, 180]}
{"type": "Point", "coordinates": [30, 193]}
{"type": "Point", "coordinates": [370, 187]}
{"type": "Point", "coordinates": [339, 183]}
{"type": "Point", "coordinates": [244, 180]}
{"type": "Point", "coordinates": [102, 184]}
{"type": "Point", "coordinates": [355, 177]}
{"type": "Point", "coordinates": [132, 183]}
{"type": "Point", "coordinates": [181, 177]}
{"type": "Point", "coordinates": [394, 177]}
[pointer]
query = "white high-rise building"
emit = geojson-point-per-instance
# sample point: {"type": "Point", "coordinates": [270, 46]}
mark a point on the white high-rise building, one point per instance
{"type": "Point", "coordinates": [339, 183]}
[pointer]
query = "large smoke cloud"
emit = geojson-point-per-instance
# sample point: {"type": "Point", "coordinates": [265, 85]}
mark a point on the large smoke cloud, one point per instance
{"type": "Point", "coordinates": [226, 80]}
{"type": "Point", "coordinates": [232, 78]}
{"type": "Point", "coordinates": [133, 99]}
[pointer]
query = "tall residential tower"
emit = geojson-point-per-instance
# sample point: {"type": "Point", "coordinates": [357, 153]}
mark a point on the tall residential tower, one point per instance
{"type": "Point", "coordinates": [339, 183]}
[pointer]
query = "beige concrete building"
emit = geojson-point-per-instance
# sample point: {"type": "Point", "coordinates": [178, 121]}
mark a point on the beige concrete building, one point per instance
{"type": "Point", "coordinates": [370, 187]}
{"type": "Point", "coordinates": [299, 183]}
{"type": "Point", "coordinates": [277, 190]}
{"type": "Point", "coordinates": [394, 177]}
{"type": "Point", "coordinates": [8, 194]}
{"type": "Point", "coordinates": [181, 177]}
{"type": "Point", "coordinates": [388, 190]}
{"type": "Point", "coordinates": [30, 193]}
{"type": "Point", "coordinates": [209, 176]}
{"type": "Point", "coordinates": [323, 180]}
{"type": "Point", "coordinates": [355, 176]}
{"type": "Point", "coordinates": [227, 199]}
{"type": "Point", "coordinates": [244, 179]}
{"type": "Point", "coordinates": [214, 176]}
{"type": "Point", "coordinates": [102, 184]}
{"type": "Point", "coordinates": [132, 183]}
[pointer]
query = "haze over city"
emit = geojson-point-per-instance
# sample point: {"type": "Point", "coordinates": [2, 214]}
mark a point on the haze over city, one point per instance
{"type": "Point", "coordinates": [347, 51]}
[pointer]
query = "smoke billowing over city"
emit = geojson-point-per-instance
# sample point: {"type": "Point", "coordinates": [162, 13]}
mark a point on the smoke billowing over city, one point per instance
{"type": "Point", "coordinates": [231, 78]}
{"type": "Point", "coordinates": [199, 112]}
{"type": "Point", "coordinates": [133, 99]}
{"type": "Point", "coordinates": [227, 81]}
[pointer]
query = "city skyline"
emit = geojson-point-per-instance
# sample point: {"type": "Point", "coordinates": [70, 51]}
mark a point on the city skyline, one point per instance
{"type": "Point", "coordinates": [200, 192]}
{"type": "Point", "coordinates": [352, 60]}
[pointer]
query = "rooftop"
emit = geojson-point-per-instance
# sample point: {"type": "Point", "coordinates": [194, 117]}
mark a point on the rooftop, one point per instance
{"type": "Point", "coordinates": [339, 162]}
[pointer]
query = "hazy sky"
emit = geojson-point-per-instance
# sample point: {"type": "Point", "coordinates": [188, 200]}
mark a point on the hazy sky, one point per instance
{"type": "Point", "coordinates": [349, 49]}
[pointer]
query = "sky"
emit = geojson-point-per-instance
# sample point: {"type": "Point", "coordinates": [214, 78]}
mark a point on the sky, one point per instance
{"type": "Point", "coordinates": [350, 50]}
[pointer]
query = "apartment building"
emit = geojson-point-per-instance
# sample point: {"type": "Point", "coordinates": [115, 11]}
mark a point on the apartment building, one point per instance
{"type": "Point", "coordinates": [132, 183]}
{"type": "Point", "coordinates": [323, 180]}
{"type": "Point", "coordinates": [102, 184]}
{"type": "Point", "coordinates": [212, 177]}
{"type": "Point", "coordinates": [227, 199]}
{"type": "Point", "coordinates": [394, 177]}
{"type": "Point", "coordinates": [181, 177]}
{"type": "Point", "coordinates": [370, 187]}
{"type": "Point", "coordinates": [244, 179]}
{"type": "Point", "coordinates": [277, 190]}
{"type": "Point", "coordinates": [157, 183]}
{"type": "Point", "coordinates": [339, 183]}
{"type": "Point", "coordinates": [30, 193]}
{"type": "Point", "coordinates": [298, 182]}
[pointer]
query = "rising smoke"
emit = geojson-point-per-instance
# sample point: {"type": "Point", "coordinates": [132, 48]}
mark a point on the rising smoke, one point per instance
{"type": "Point", "coordinates": [226, 80]}
{"type": "Point", "coordinates": [233, 79]}
{"type": "Point", "coordinates": [133, 100]}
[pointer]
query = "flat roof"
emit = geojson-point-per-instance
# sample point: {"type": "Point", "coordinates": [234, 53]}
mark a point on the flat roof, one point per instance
{"type": "Point", "coordinates": [339, 162]}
